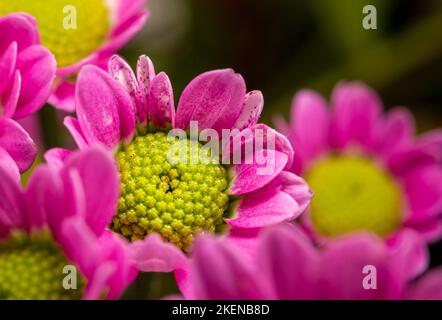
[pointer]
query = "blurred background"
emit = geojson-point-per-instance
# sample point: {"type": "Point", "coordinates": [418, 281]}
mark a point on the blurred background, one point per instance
{"type": "Point", "coordinates": [281, 46]}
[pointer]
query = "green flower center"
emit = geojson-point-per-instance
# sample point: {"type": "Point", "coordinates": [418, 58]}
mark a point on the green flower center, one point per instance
{"type": "Point", "coordinates": [352, 193]}
{"type": "Point", "coordinates": [175, 200]}
{"type": "Point", "coordinates": [71, 29]}
{"type": "Point", "coordinates": [32, 268]}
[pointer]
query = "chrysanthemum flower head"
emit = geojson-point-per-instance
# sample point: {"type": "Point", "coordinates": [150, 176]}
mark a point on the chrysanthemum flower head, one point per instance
{"type": "Point", "coordinates": [368, 170]}
{"type": "Point", "coordinates": [81, 32]}
{"type": "Point", "coordinates": [132, 115]}
{"type": "Point", "coordinates": [55, 228]}
{"type": "Point", "coordinates": [26, 67]}
{"type": "Point", "coordinates": [288, 266]}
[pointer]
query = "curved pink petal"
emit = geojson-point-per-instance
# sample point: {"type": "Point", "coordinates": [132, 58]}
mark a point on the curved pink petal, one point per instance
{"type": "Point", "coordinates": [256, 171]}
{"type": "Point", "coordinates": [264, 208]}
{"type": "Point", "coordinates": [154, 255]}
{"type": "Point", "coordinates": [160, 104]}
{"type": "Point", "coordinates": [18, 27]}
{"type": "Point", "coordinates": [74, 129]}
{"type": "Point", "coordinates": [96, 168]}
{"type": "Point", "coordinates": [145, 74]}
{"type": "Point", "coordinates": [432, 142]}
{"type": "Point", "coordinates": [56, 157]}
{"type": "Point", "coordinates": [251, 111]}
{"type": "Point", "coordinates": [423, 188]}
{"type": "Point", "coordinates": [11, 95]}
{"type": "Point", "coordinates": [310, 125]}
{"type": "Point", "coordinates": [288, 260]}
{"type": "Point", "coordinates": [427, 288]}
{"type": "Point", "coordinates": [9, 163]}
{"type": "Point", "coordinates": [34, 197]}
{"type": "Point", "coordinates": [16, 141]}
{"type": "Point", "coordinates": [104, 108]}
{"type": "Point", "coordinates": [7, 65]}
{"type": "Point", "coordinates": [37, 68]}
{"type": "Point", "coordinates": [63, 96]}
{"type": "Point", "coordinates": [407, 159]}
{"type": "Point", "coordinates": [214, 99]}
{"type": "Point", "coordinates": [356, 112]}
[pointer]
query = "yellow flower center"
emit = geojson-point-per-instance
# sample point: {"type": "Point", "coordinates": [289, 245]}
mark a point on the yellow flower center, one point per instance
{"type": "Point", "coordinates": [31, 268]}
{"type": "Point", "coordinates": [71, 29]}
{"type": "Point", "coordinates": [176, 200]}
{"type": "Point", "coordinates": [353, 193]}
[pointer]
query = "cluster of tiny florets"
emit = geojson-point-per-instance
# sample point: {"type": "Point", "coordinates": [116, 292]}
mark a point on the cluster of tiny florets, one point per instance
{"type": "Point", "coordinates": [176, 200]}
{"type": "Point", "coordinates": [69, 43]}
{"type": "Point", "coordinates": [32, 268]}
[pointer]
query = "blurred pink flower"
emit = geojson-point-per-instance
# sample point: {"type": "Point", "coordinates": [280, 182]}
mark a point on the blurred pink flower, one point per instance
{"type": "Point", "coordinates": [288, 266]}
{"type": "Point", "coordinates": [26, 67]}
{"type": "Point", "coordinates": [115, 113]}
{"type": "Point", "coordinates": [71, 204]}
{"type": "Point", "coordinates": [368, 170]}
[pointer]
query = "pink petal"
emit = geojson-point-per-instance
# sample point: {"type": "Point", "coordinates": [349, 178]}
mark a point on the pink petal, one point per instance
{"type": "Point", "coordinates": [63, 96]}
{"type": "Point", "coordinates": [122, 72]}
{"type": "Point", "coordinates": [423, 188]}
{"type": "Point", "coordinates": [432, 142]}
{"type": "Point", "coordinates": [34, 197]}
{"type": "Point", "coordinates": [56, 157]}
{"type": "Point", "coordinates": [16, 141]}
{"type": "Point", "coordinates": [9, 163]}
{"type": "Point", "coordinates": [401, 162]}
{"type": "Point", "coordinates": [96, 168]}
{"type": "Point", "coordinates": [7, 65]}
{"type": "Point", "coordinates": [214, 99]}
{"type": "Point", "coordinates": [11, 95]}
{"type": "Point", "coordinates": [264, 208]}
{"type": "Point", "coordinates": [145, 74]}
{"type": "Point", "coordinates": [357, 111]}
{"type": "Point", "coordinates": [160, 102]}
{"type": "Point", "coordinates": [18, 27]}
{"type": "Point", "coordinates": [427, 288]}
{"type": "Point", "coordinates": [74, 128]}
{"type": "Point", "coordinates": [290, 262]}
{"type": "Point", "coordinates": [154, 255]}
{"type": "Point", "coordinates": [310, 125]}
{"type": "Point", "coordinates": [37, 68]}
{"type": "Point", "coordinates": [253, 105]}
{"type": "Point", "coordinates": [104, 108]}
{"type": "Point", "coordinates": [251, 177]}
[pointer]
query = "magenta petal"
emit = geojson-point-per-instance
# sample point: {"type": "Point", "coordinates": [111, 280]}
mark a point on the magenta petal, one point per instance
{"type": "Point", "coordinates": [74, 128]}
{"type": "Point", "coordinates": [160, 103]}
{"type": "Point", "coordinates": [145, 74]}
{"type": "Point", "coordinates": [432, 142]}
{"type": "Point", "coordinates": [35, 197]}
{"type": "Point", "coordinates": [296, 187]}
{"type": "Point", "coordinates": [7, 65]}
{"type": "Point", "coordinates": [423, 188]}
{"type": "Point", "coordinates": [220, 272]}
{"type": "Point", "coordinates": [63, 96]}
{"type": "Point", "coordinates": [16, 141]}
{"type": "Point", "coordinates": [290, 262]}
{"type": "Point", "coordinates": [310, 125]}
{"type": "Point", "coordinates": [405, 160]}
{"type": "Point", "coordinates": [122, 72]}
{"type": "Point", "coordinates": [251, 177]}
{"type": "Point", "coordinates": [11, 204]}
{"type": "Point", "coordinates": [398, 130]}
{"type": "Point", "coordinates": [56, 157]}
{"type": "Point", "coordinates": [9, 163]}
{"type": "Point", "coordinates": [104, 108]}
{"type": "Point", "coordinates": [427, 288]}
{"type": "Point", "coordinates": [37, 68]}
{"type": "Point", "coordinates": [11, 95]}
{"type": "Point", "coordinates": [264, 208]}
{"type": "Point", "coordinates": [18, 27]}
{"type": "Point", "coordinates": [253, 105]}
{"type": "Point", "coordinates": [96, 168]}
{"type": "Point", "coordinates": [154, 255]}
{"type": "Point", "coordinates": [214, 99]}
{"type": "Point", "coordinates": [357, 111]}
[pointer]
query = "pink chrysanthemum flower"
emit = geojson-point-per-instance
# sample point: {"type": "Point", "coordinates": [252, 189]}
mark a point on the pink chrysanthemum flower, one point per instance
{"type": "Point", "coordinates": [26, 67]}
{"type": "Point", "coordinates": [288, 266]}
{"type": "Point", "coordinates": [59, 221]}
{"type": "Point", "coordinates": [368, 170]}
{"type": "Point", "coordinates": [178, 200]}
{"type": "Point", "coordinates": [80, 32]}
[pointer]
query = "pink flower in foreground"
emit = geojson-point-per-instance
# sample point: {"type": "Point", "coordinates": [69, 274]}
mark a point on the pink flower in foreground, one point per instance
{"type": "Point", "coordinates": [26, 67]}
{"type": "Point", "coordinates": [59, 220]}
{"type": "Point", "coordinates": [81, 32]}
{"type": "Point", "coordinates": [288, 266]}
{"type": "Point", "coordinates": [177, 201]}
{"type": "Point", "coordinates": [368, 170]}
